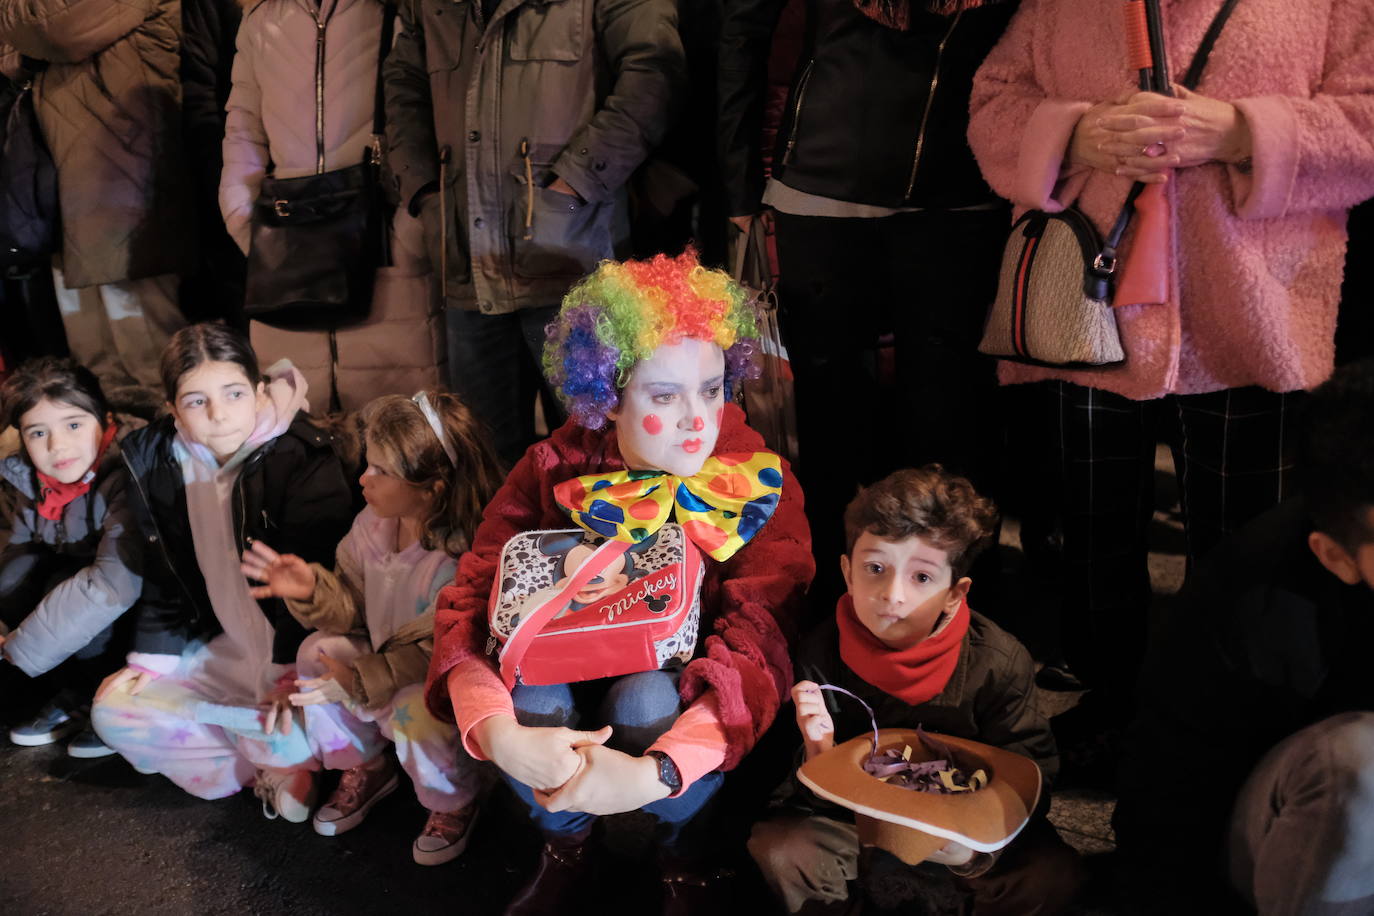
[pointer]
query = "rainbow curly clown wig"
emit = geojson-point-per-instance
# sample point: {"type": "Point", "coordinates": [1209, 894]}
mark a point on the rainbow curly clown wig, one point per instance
{"type": "Point", "coordinates": [623, 311]}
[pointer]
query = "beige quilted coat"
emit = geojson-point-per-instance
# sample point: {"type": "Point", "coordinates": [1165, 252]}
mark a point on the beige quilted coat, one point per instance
{"type": "Point", "coordinates": [109, 106]}
{"type": "Point", "coordinates": [272, 124]}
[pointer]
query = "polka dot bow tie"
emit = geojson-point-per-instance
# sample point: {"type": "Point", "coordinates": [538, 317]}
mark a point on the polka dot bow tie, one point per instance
{"type": "Point", "coordinates": [720, 508]}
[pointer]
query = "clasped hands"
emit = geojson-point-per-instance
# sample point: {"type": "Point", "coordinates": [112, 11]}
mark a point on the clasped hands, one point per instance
{"type": "Point", "coordinates": [1145, 136]}
{"type": "Point", "coordinates": [571, 770]}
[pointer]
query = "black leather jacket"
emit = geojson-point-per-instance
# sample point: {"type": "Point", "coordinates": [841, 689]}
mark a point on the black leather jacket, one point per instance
{"type": "Point", "coordinates": [875, 116]}
{"type": "Point", "coordinates": [292, 494]}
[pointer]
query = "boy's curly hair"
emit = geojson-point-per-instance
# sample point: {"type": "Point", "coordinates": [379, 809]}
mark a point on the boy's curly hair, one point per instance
{"type": "Point", "coordinates": [930, 503]}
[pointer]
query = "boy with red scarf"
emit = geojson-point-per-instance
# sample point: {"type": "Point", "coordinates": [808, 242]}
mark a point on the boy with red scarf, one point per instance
{"type": "Point", "coordinates": [905, 640]}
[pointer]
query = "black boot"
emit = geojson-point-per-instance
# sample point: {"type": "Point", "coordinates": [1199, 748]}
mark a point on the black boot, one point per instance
{"type": "Point", "coordinates": [562, 881]}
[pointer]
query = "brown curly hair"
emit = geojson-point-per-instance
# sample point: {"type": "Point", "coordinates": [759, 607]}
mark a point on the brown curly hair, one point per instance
{"type": "Point", "coordinates": [930, 503]}
{"type": "Point", "coordinates": [401, 442]}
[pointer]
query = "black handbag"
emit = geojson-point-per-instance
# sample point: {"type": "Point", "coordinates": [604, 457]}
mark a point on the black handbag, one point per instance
{"type": "Point", "coordinates": [29, 210]}
{"type": "Point", "coordinates": [318, 240]}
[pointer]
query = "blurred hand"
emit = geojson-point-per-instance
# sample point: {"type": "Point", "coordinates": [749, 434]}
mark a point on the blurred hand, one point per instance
{"type": "Point", "coordinates": [813, 719]}
{"type": "Point", "coordinates": [951, 853]}
{"type": "Point", "coordinates": [135, 678]}
{"type": "Point", "coordinates": [562, 187]}
{"type": "Point", "coordinates": [276, 710]}
{"type": "Point", "coordinates": [338, 684]}
{"type": "Point", "coordinates": [286, 575]}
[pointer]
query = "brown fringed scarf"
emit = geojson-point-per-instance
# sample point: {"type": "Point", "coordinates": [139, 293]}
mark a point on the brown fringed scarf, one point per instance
{"type": "Point", "coordinates": [896, 14]}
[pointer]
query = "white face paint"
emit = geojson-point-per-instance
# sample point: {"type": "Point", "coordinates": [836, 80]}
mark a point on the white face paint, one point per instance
{"type": "Point", "coordinates": [62, 441]}
{"type": "Point", "coordinates": [671, 407]}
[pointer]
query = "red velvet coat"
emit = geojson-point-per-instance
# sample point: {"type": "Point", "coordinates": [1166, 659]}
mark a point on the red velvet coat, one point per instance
{"type": "Point", "coordinates": [750, 603]}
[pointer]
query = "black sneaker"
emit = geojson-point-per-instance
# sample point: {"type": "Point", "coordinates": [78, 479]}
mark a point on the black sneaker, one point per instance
{"type": "Point", "coordinates": [88, 745]}
{"type": "Point", "coordinates": [52, 724]}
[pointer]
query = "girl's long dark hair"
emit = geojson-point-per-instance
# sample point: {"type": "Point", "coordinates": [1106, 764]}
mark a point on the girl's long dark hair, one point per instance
{"type": "Point", "coordinates": [206, 343]}
{"type": "Point", "coordinates": [401, 442]}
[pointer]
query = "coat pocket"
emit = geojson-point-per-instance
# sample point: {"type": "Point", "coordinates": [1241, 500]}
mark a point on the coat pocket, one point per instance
{"type": "Point", "coordinates": [553, 234]}
{"type": "Point", "coordinates": [548, 30]}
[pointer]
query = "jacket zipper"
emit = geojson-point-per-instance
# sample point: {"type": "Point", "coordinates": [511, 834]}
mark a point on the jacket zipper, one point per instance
{"type": "Point", "coordinates": [161, 542]}
{"type": "Point", "coordinates": [319, 93]}
{"type": "Point", "coordinates": [796, 110]}
{"type": "Point", "coordinates": [930, 102]}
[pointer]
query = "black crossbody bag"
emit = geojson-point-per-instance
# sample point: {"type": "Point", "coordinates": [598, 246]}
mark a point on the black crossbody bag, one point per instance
{"type": "Point", "coordinates": [318, 240]}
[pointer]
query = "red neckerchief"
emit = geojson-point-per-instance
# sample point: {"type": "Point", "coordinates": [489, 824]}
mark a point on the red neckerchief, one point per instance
{"type": "Point", "coordinates": [915, 675]}
{"type": "Point", "coordinates": [54, 495]}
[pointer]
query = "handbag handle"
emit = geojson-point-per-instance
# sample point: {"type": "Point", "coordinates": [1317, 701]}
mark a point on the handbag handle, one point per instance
{"type": "Point", "coordinates": [1105, 263]}
{"type": "Point", "coordinates": [530, 624]}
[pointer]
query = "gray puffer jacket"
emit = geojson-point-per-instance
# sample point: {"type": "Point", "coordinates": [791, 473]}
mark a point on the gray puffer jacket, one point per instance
{"type": "Point", "coordinates": [95, 526]}
{"type": "Point", "coordinates": [493, 112]}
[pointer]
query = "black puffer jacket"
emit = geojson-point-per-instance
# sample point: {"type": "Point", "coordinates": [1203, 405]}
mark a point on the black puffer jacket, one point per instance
{"type": "Point", "coordinates": [291, 494]}
{"type": "Point", "coordinates": [875, 116]}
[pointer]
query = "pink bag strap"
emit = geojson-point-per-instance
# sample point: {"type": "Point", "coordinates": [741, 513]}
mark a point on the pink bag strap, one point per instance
{"type": "Point", "coordinates": [530, 624]}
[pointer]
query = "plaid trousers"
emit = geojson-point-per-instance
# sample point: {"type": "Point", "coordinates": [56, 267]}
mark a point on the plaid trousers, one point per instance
{"type": "Point", "coordinates": [1234, 452]}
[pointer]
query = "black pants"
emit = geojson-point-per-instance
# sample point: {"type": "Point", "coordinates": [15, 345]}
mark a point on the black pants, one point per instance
{"type": "Point", "coordinates": [494, 364]}
{"type": "Point", "coordinates": [926, 278]}
{"type": "Point", "coordinates": [1234, 454]}
{"type": "Point", "coordinates": [28, 574]}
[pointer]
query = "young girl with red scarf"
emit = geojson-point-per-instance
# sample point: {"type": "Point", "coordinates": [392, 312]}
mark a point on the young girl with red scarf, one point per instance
{"type": "Point", "coordinates": [65, 573]}
{"type": "Point", "coordinates": [905, 641]}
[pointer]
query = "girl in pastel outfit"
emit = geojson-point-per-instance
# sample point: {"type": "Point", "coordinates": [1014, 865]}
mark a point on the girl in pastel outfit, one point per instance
{"type": "Point", "coordinates": [429, 473]}
{"type": "Point", "coordinates": [67, 570]}
{"type": "Point", "coordinates": [204, 697]}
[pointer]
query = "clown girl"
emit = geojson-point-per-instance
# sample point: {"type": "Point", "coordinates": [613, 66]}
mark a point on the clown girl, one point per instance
{"type": "Point", "coordinates": [647, 356]}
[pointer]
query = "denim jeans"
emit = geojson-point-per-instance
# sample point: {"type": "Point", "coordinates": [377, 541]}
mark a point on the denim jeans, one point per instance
{"type": "Point", "coordinates": [639, 708]}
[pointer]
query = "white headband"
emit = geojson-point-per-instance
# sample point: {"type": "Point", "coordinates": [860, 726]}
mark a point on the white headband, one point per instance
{"type": "Point", "coordinates": [421, 401]}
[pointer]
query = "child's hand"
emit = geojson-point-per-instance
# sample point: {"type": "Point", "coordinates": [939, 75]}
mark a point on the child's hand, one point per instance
{"type": "Point", "coordinates": [286, 575]}
{"type": "Point", "coordinates": [334, 687]}
{"type": "Point", "coordinates": [276, 709]}
{"type": "Point", "coordinates": [610, 782]}
{"type": "Point", "coordinates": [136, 678]}
{"type": "Point", "coordinates": [813, 719]}
{"type": "Point", "coordinates": [951, 853]}
{"type": "Point", "coordinates": [541, 758]}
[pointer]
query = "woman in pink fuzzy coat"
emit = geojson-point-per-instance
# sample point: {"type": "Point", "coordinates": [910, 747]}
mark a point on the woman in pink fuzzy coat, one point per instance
{"type": "Point", "coordinates": [1259, 166]}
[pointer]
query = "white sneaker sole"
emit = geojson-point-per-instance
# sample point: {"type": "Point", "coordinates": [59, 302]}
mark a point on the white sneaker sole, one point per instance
{"type": "Point", "coordinates": [448, 853]}
{"type": "Point", "coordinates": [345, 824]}
{"type": "Point", "coordinates": [89, 753]}
{"type": "Point", "coordinates": [64, 730]}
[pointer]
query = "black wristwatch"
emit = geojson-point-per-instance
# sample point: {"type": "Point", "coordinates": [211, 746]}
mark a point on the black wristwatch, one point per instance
{"type": "Point", "coordinates": [667, 771]}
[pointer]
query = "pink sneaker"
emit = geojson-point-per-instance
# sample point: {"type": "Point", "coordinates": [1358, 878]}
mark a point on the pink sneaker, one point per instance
{"type": "Point", "coordinates": [359, 789]}
{"type": "Point", "coordinates": [445, 836]}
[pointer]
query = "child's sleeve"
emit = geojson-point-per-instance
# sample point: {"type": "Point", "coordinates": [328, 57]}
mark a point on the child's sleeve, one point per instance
{"type": "Point", "coordinates": [337, 603]}
{"type": "Point", "coordinates": [79, 608]}
{"type": "Point", "coordinates": [1007, 715]}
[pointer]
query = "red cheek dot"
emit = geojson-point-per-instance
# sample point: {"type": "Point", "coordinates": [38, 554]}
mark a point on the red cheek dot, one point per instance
{"type": "Point", "coordinates": [653, 425]}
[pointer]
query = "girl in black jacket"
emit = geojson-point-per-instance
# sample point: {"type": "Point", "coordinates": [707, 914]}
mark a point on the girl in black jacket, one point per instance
{"type": "Point", "coordinates": [203, 700]}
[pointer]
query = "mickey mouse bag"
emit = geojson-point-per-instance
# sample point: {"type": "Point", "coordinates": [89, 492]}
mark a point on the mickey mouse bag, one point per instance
{"type": "Point", "coordinates": [622, 593]}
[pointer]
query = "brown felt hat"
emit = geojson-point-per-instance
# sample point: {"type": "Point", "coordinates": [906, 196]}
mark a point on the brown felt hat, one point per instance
{"type": "Point", "coordinates": [911, 824]}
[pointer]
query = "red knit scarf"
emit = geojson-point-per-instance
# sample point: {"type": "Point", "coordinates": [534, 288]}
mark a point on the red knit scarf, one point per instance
{"type": "Point", "coordinates": [896, 14]}
{"type": "Point", "coordinates": [54, 495]}
{"type": "Point", "coordinates": [915, 675]}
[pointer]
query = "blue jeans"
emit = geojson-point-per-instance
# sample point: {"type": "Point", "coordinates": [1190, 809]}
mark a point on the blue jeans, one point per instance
{"type": "Point", "coordinates": [639, 708]}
